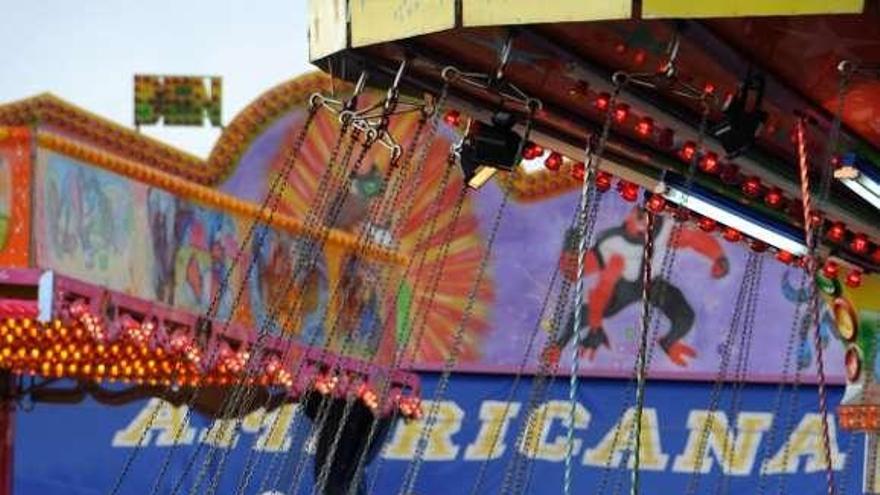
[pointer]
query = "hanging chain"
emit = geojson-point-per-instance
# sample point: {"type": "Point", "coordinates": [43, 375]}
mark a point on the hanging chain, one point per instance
{"type": "Point", "coordinates": [213, 307]}
{"type": "Point", "coordinates": [308, 227]}
{"type": "Point", "coordinates": [670, 256]}
{"type": "Point", "coordinates": [530, 345]}
{"type": "Point", "coordinates": [421, 161]}
{"type": "Point", "coordinates": [793, 339]}
{"type": "Point", "coordinates": [235, 396]}
{"type": "Point", "coordinates": [245, 481]}
{"type": "Point", "coordinates": [322, 416]}
{"type": "Point", "coordinates": [325, 471]}
{"type": "Point", "coordinates": [514, 480]}
{"type": "Point", "coordinates": [813, 305]}
{"type": "Point", "coordinates": [335, 209]}
{"type": "Point", "coordinates": [332, 215]}
{"type": "Point", "coordinates": [588, 186]}
{"type": "Point", "coordinates": [747, 285]}
{"type": "Point", "coordinates": [743, 358]}
{"type": "Point", "coordinates": [645, 322]}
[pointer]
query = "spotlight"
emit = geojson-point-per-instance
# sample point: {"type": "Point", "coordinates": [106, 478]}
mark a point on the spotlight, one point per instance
{"type": "Point", "coordinates": [743, 116]}
{"type": "Point", "coordinates": [487, 149]}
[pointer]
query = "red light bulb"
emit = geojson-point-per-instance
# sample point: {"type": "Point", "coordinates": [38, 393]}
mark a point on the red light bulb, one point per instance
{"type": "Point", "coordinates": [645, 127]}
{"type": "Point", "coordinates": [752, 187]}
{"type": "Point", "coordinates": [578, 171]}
{"type": "Point", "coordinates": [731, 234]}
{"type": "Point", "coordinates": [532, 151]}
{"type": "Point", "coordinates": [859, 244]}
{"type": "Point", "coordinates": [453, 118]}
{"type": "Point", "coordinates": [656, 203]}
{"type": "Point", "coordinates": [640, 57]}
{"type": "Point", "coordinates": [785, 257]}
{"type": "Point", "coordinates": [628, 190]}
{"type": "Point", "coordinates": [688, 150]}
{"type": "Point", "coordinates": [709, 88]}
{"type": "Point", "coordinates": [603, 180]}
{"type": "Point", "coordinates": [774, 198]}
{"type": "Point", "coordinates": [603, 101]}
{"type": "Point", "coordinates": [706, 224]}
{"type": "Point", "coordinates": [836, 232]}
{"type": "Point", "coordinates": [854, 278]}
{"type": "Point", "coordinates": [709, 163]}
{"type": "Point", "coordinates": [553, 161]}
{"type": "Point", "coordinates": [831, 269]}
{"type": "Point", "coordinates": [758, 246]}
{"type": "Point", "coordinates": [621, 113]}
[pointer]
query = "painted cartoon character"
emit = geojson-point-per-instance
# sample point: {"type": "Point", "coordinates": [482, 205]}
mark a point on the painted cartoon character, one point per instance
{"type": "Point", "coordinates": [193, 249]}
{"type": "Point", "coordinates": [82, 214]}
{"type": "Point", "coordinates": [203, 260]}
{"type": "Point", "coordinates": [617, 260]}
{"type": "Point", "coordinates": [272, 293]}
{"type": "Point", "coordinates": [168, 217]}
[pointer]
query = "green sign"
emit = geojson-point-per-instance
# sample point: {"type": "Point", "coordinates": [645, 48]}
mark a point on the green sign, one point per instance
{"type": "Point", "coordinates": [177, 100]}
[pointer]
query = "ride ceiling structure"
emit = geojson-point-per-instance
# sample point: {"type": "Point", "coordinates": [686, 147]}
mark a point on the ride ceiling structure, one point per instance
{"type": "Point", "coordinates": [758, 116]}
{"type": "Point", "coordinates": [326, 250]}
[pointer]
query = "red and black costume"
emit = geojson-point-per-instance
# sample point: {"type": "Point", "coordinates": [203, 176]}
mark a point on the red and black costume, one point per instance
{"type": "Point", "coordinates": [617, 260]}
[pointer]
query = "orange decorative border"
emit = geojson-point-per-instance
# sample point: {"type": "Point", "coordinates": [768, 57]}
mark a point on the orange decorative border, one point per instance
{"type": "Point", "coordinates": [47, 110]}
{"type": "Point", "coordinates": [208, 196]}
{"type": "Point", "coordinates": [16, 252]}
{"type": "Point", "coordinates": [264, 111]}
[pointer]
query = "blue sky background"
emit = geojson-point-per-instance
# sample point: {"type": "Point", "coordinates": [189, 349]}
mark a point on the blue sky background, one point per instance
{"type": "Point", "coordinates": [86, 52]}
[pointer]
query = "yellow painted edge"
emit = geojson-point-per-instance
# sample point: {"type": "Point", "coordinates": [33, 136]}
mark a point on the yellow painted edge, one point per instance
{"type": "Point", "coordinates": [210, 197]}
{"type": "Point", "coordinates": [376, 22]}
{"type": "Point", "coordinates": [504, 12]}
{"type": "Point", "coordinates": [745, 8]}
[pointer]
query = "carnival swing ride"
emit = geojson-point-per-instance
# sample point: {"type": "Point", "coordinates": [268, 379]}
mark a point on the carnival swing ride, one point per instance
{"type": "Point", "coordinates": [689, 120]}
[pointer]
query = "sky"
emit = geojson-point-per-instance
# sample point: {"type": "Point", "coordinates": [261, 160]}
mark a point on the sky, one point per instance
{"type": "Point", "coordinates": [87, 51]}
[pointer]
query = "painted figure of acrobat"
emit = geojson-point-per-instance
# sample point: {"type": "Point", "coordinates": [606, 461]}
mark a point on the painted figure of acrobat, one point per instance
{"type": "Point", "coordinates": [616, 259]}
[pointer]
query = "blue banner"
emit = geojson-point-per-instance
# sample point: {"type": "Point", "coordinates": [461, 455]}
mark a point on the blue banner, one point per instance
{"type": "Point", "coordinates": [761, 437]}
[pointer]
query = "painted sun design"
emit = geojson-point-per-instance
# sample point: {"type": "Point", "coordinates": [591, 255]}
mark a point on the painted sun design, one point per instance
{"type": "Point", "coordinates": [417, 313]}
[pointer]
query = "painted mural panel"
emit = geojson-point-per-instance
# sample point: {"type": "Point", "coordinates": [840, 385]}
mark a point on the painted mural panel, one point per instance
{"type": "Point", "coordinates": [15, 204]}
{"type": "Point", "coordinates": [693, 321]}
{"type": "Point", "coordinates": [90, 225]}
{"type": "Point", "coordinates": [145, 242]}
{"type": "Point", "coordinates": [420, 221]}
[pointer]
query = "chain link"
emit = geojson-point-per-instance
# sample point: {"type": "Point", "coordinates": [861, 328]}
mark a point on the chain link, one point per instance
{"type": "Point", "coordinates": [271, 197]}
{"type": "Point", "coordinates": [747, 285]}
{"type": "Point", "coordinates": [234, 397]}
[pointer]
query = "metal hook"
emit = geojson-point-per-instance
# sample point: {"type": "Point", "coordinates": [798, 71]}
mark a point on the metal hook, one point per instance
{"type": "Point", "coordinates": [450, 73]}
{"type": "Point", "coordinates": [619, 78]}
{"type": "Point", "coordinates": [316, 100]}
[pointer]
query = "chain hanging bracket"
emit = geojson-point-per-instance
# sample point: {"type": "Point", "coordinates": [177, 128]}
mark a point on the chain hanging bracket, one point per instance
{"type": "Point", "coordinates": [666, 78]}
{"type": "Point", "coordinates": [373, 121]}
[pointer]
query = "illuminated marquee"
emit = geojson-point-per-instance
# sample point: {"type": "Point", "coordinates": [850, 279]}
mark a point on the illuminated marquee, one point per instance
{"type": "Point", "coordinates": [177, 100]}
